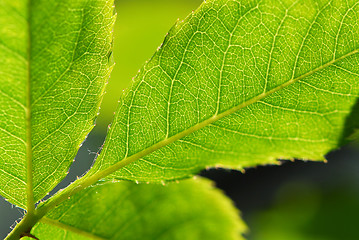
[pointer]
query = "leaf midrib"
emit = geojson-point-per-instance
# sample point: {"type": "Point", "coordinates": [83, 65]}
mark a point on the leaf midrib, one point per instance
{"type": "Point", "coordinates": [29, 167]}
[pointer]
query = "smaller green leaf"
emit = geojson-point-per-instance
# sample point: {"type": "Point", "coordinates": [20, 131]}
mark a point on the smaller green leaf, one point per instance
{"type": "Point", "coordinates": [191, 209]}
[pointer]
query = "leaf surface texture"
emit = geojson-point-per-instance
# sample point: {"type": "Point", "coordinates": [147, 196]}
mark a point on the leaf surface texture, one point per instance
{"type": "Point", "coordinates": [237, 84]}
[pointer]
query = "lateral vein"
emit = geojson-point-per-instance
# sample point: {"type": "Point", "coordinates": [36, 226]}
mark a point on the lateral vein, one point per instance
{"type": "Point", "coordinates": [70, 228]}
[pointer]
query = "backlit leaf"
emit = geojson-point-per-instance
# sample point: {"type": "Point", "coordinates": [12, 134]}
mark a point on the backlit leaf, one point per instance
{"type": "Point", "coordinates": [53, 68]}
{"type": "Point", "coordinates": [237, 84]}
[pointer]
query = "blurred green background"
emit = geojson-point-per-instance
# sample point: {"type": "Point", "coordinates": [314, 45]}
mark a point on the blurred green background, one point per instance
{"type": "Point", "coordinates": [295, 201]}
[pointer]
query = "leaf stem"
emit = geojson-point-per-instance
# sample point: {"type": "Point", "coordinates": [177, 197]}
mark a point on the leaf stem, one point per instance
{"type": "Point", "coordinates": [30, 203]}
{"type": "Point", "coordinates": [24, 227]}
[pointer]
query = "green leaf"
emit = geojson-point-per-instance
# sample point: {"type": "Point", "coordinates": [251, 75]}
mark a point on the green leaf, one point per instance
{"type": "Point", "coordinates": [237, 84]}
{"type": "Point", "coordinates": [192, 209]}
{"type": "Point", "coordinates": [53, 69]}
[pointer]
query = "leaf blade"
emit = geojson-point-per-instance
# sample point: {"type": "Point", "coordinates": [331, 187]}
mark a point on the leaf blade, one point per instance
{"type": "Point", "coordinates": [57, 87]}
{"type": "Point", "coordinates": [190, 209]}
{"type": "Point", "coordinates": [144, 138]}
